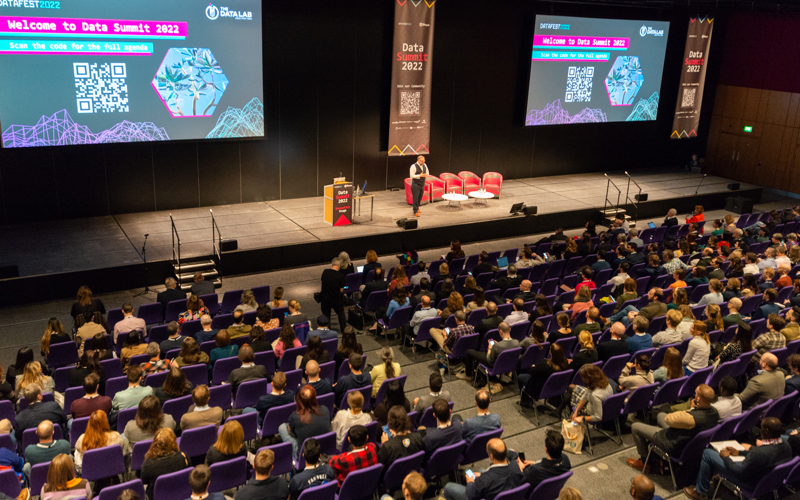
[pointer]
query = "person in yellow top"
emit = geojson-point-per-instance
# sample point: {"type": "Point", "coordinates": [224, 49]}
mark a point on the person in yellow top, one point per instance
{"type": "Point", "coordinates": [792, 330]}
{"type": "Point", "coordinates": [389, 369]}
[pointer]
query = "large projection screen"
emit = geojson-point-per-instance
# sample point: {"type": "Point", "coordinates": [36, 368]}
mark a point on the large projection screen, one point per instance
{"type": "Point", "coordinates": [106, 71]}
{"type": "Point", "coordinates": [586, 70]}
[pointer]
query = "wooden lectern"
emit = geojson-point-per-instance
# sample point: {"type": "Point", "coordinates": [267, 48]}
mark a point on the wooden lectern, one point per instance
{"type": "Point", "coordinates": [339, 203]}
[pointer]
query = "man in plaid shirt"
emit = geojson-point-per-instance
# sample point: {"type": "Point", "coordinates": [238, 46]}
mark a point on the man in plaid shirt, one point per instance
{"type": "Point", "coordinates": [155, 365]}
{"type": "Point", "coordinates": [363, 455]}
{"type": "Point", "coordinates": [672, 263]}
{"type": "Point", "coordinates": [447, 340]}
{"type": "Point", "coordinates": [772, 339]}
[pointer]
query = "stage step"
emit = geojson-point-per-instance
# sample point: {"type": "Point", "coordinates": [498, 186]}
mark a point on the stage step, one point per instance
{"type": "Point", "coordinates": [612, 211]}
{"type": "Point", "coordinates": [200, 265]}
{"type": "Point", "coordinates": [187, 286]}
{"type": "Point", "coordinates": [209, 274]}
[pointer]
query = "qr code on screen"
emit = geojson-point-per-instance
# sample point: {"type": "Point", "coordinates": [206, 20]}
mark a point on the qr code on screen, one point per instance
{"type": "Point", "coordinates": [579, 84]}
{"type": "Point", "coordinates": [687, 100]}
{"type": "Point", "coordinates": [409, 103]}
{"type": "Point", "coordinates": [101, 88]}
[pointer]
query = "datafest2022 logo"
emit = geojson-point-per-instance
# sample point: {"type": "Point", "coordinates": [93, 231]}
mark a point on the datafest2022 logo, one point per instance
{"type": "Point", "coordinates": [213, 12]}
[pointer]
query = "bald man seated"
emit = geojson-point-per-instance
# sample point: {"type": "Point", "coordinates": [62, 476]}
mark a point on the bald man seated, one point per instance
{"type": "Point", "coordinates": [46, 449]}
{"type": "Point", "coordinates": [769, 384]}
{"type": "Point", "coordinates": [321, 385]}
{"type": "Point", "coordinates": [643, 488]}
{"type": "Point", "coordinates": [525, 292]}
{"type": "Point", "coordinates": [501, 476]}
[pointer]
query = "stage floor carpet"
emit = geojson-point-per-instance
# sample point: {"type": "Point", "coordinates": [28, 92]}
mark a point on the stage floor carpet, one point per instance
{"type": "Point", "coordinates": [113, 241]}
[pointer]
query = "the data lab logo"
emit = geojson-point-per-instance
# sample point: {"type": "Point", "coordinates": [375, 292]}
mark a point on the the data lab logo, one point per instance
{"type": "Point", "coordinates": [212, 11]}
{"type": "Point", "coordinates": [643, 30]}
{"type": "Point", "coordinates": [647, 30]}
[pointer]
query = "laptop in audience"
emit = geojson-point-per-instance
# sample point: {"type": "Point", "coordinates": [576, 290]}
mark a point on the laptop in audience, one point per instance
{"type": "Point", "coordinates": [651, 225]}
{"type": "Point", "coordinates": [360, 269]}
{"type": "Point", "coordinates": [502, 262]}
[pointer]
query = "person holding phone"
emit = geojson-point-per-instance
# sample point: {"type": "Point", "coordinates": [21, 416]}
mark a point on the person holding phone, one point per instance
{"type": "Point", "coordinates": [399, 442]}
{"type": "Point", "coordinates": [419, 173]}
{"type": "Point", "coordinates": [553, 464]}
{"type": "Point", "coordinates": [501, 476]}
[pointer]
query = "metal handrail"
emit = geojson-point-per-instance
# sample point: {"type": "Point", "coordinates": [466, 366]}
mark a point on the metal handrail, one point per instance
{"type": "Point", "coordinates": [635, 201]}
{"type": "Point", "coordinates": [216, 243]}
{"type": "Point", "coordinates": [176, 256]}
{"type": "Point", "coordinates": [609, 202]}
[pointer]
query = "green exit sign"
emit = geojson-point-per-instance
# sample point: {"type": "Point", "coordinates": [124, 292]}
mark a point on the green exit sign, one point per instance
{"type": "Point", "coordinates": [748, 128]}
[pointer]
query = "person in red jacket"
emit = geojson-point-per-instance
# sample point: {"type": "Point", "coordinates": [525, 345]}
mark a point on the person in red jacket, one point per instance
{"type": "Point", "coordinates": [697, 217]}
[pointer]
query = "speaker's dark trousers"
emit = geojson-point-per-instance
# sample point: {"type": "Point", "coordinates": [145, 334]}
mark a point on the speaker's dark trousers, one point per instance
{"type": "Point", "coordinates": [417, 190]}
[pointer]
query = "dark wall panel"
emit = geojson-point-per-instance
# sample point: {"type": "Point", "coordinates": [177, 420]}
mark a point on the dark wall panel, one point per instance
{"type": "Point", "coordinates": [220, 173]}
{"type": "Point", "coordinates": [30, 191]}
{"type": "Point", "coordinates": [175, 167]}
{"type": "Point", "coordinates": [129, 170]}
{"type": "Point", "coordinates": [81, 181]}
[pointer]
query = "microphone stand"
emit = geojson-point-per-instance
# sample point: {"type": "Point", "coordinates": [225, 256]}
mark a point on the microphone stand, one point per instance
{"type": "Point", "coordinates": [144, 257]}
{"type": "Point", "coordinates": [698, 186]}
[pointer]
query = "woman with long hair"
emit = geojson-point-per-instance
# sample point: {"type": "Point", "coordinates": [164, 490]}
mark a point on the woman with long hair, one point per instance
{"type": "Point", "coordinates": [61, 481]}
{"type": "Point", "coordinates": [736, 269]}
{"type": "Point", "coordinates": [671, 368]}
{"type": "Point", "coordinates": [295, 315]}
{"type": "Point", "coordinates": [478, 300]}
{"type": "Point", "coordinates": [24, 356]}
{"type": "Point", "coordinates": [175, 386]}
{"type": "Point", "coordinates": [88, 363]}
{"type": "Point", "coordinates": [195, 309]}
{"type": "Point", "coordinates": [732, 289]}
{"type": "Point", "coordinates": [387, 369]}
{"type": "Point", "coordinates": [190, 354]}
{"type": "Point", "coordinates": [583, 301]}
{"type": "Point", "coordinates": [86, 303]}
{"type": "Point", "coordinates": [88, 326]}
{"type": "Point", "coordinates": [372, 263]}
{"type": "Point", "coordinates": [258, 340]}
{"type": "Point", "coordinates": [696, 357]}
{"type": "Point", "coordinates": [309, 420]}
{"type": "Point", "coordinates": [53, 334]}
{"type": "Point", "coordinates": [345, 264]}
{"type": "Point", "coordinates": [564, 325]}
{"type": "Point", "coordinates": [714, 315]}
{"type": "Point", "coordinates": [591, 396]}
{"type": "Point", "coordinates": [542, 307]}
{"type": "Point", "coordinates": [149, 419]}
{"type": "Point", "coordinates": [163, 457]}
{"type": "Point", "coordinates": [687, 319]}
{"type": "Point", "coordinates": [348, 345]}
{"type": "Point", "coordinates": [315, 351]}
{"type": "Point", "coordinates": [749, 285]}
{"type": "Point", "coordinates": [399, 280]}
{"type": "Point", "coordinates": [742, 342]}
{"type": "Point", "coordinates": [132, 346]}
{"type": "Point", "coordinates": [531, 379]}
{"type": "Point", "coordinates": [224, 348]}
{"type": "Point", "coordinates": [537, 336]}
{"type": "Point", "coordinates": [100, 346]}
{"type": "Point", "coordinates": [571, 249]}
{"type": "Point", "coordinates": [455, 251]}
{"type": "Point", "coordinates": [470, 285]}
{"type": "Point", "coordinates": [247, 302]}
{"type": "Point", "coordinates": [7, 392]}
{"type": "Point", "coordinates": [229, 444]}
{"type": "Point", "coordinates": [287, 340]}
{"type": "Point", "coordinates": [585, 246]}
{"type": "Point", "coordinates": [587, 354]}
{"type": "Point", "coordinates": [444, 292]}
{"type": "Point", "coordinates": [794, 255]}
{"type": "Point", "coordinates": [679, 298]}
{"type": "Point", "coordinates": [277, 298]}
{"type": "Point", "coordinates": [395, 396]}
{"type": "Point", "coordinates": [32, 374]}
{"type": "Point", "coordinates": [98, 434]}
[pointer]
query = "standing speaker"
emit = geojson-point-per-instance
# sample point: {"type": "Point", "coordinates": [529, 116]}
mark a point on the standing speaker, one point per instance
{"type": "Point", "coordinates": [407, 223]}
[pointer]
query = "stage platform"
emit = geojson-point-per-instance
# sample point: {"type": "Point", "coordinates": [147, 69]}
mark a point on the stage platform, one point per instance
{"type": "Point", "coordinates": [54, 258]}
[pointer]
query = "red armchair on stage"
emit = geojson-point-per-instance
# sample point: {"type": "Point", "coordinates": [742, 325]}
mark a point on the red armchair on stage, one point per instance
{"type": "Point", "coordinates": [452, 182]}
{"type": "Point", "coordinates": [433, 185]}
{"type": "Point", "coordinates": [493, 183]}
{"type": "Point", "coordinates": [471, 181]}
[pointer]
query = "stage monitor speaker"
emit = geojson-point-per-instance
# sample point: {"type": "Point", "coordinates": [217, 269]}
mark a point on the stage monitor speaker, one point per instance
{"type": "Point", "coordinates": [733, 186]}
{"type": "Point", "coordinates": [739, 204]}
{"type": "Point", "coordinates": [407, 223]}
{"type": "Point", "coordinates": [10, 271]}
{"type": "Point", "coordinates": [641, 197]}
{"type": "Point", "coordinates": [228, 245]}
{"type": "Point", "coordinates": [531, 210]}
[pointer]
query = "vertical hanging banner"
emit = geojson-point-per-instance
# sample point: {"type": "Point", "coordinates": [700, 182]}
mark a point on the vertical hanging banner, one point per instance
{"type": "Point", "coordinates": [410, 115]}
{"type": "Point", "coordinates": [693, 78]}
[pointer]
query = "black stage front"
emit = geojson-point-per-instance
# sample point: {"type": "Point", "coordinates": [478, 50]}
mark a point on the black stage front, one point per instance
{"type": "Point", "coordinates": [55, 258]}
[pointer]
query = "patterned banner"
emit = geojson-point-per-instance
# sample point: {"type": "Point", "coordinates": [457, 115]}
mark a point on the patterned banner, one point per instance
{"type": "Point", "coordinates": [410, 115]}
{"type": "Point", "coordinates": [693, 78]}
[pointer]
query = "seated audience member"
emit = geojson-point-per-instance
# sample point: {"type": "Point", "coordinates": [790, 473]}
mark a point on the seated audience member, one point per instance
{"type": "Point", "coordinates": [424, 285]}
{"type": "Point", "coordinates": [675, 430]}
{"type": "Point", "coordinates": [511, 280]}
{"type": "Point", "coordinates": [539, 335]}
{"type": "Point", "coordinates": [175, 386]}
{"type": "Point", "coordinates": [128, 323]}
{"type": "Point", "coordinates": [98, 435]}
{"type": "Point", "coordinates": [759, 460]}
{"type": "Point", "coordinates": [422, 272]}
{"type": "Point", "coordinates": [733, 317]}
{"type": "Point", "coordinates": [201, 286]}
{"type": "Point", "coordinates": [591, 396]}
{"type": "Point", "coordinates": [247, 302]}
{"type": "Point", "coordinates": [699, 349]}
{"type": "Point", "coordinates": [792, 330]}
{"type": "Point", "coordinates": [90, 324]}
{"type": "Point", "coordinates": [190, 354]}
{"type": "Point", "coordinates": [793, 380]}
{"type": "Point", "coordinates": [772, 338]}
{"type": "Point", "coordinates": [132, 346]}
{"type": "Point", "coordinates": [345, 419]}
{"type": "Point", "coordinates": [583, 302]}
{"type": "Point", "coordinates": [592, 325]}
{"type": "Point", "coordinates": [199, 481]}
{"type": "Point", "coordinates": [640, 340]}
{"type": "Point", "coordinates": [642, 488]}
{"type": "Point", "coordinates": [484, 421]}
{"type": "Point", "coordinates": [207, 334]}
{"type": "Point", "coordinates": [378, 284]}
{"type": "Point", "coordinates": [163, 457]}
{"type": "Point", "coordinates": [46, 449]}
{"type": "Point", "coordinates": [155, 364]}
{"type": "Point", "coordinates": [279, 396]}
{"type": "Point", "coordinates": [287, 340]}
{"type": "Point", "coordinates": [499, 477]}
{"type": "Point", "coordinates": [768, 305]}
{"type": "Point", "coordinates": [37, 411]}
{"type": "Point", "coordinates": [348, 345]}
{"type": "Point", "coordinates": [224, 349]}
{"type": "Point", "coordinates": [309, 420]}
{"type": "Point", "coordinates": [171, 293]}
{"type": "Point", "coordinates": [492, 320]}
{"type": "Point", "coordinates": [315, 351]}
{"type": "Point", "coordinates": [783, 276]}
{"type": "Point", "coordinates": [277, 298]}
{"type": "Point", "coordinates": [248, 371]}
{"type": "Point", "coordinates": [194, 309]}
{"type": "Point", "coordinates": [149, 419]}
{"type": "Point", "coordinates": [264, 486]}
{"type": "Point", "coordinates": [200, 414]}
{"type": "Point", "coordinates": [447, 340]}
{"type": "Point", "coordinates": [400, 442]}
{"type": "Point", "coordinates": [670, 335]}
{"type": "Point", "coordinates": [766, 279]}
{"type": "Point", "coordinates": [587, 353]}
{"type": "Point", "coordinates": [131, 396]}
{"type": "Point", "coordinates": [258, 340]}
{"type": "Point", "coordinates": [174, 340]}
{"type": "Point", "coordinates": [425, 312]}
{"type": "Point", "coordinates": [91, 400]}
{"type": "Point", "coordinates": [264, 318]}
{"type": "Point", "coordinates": [321, 386]}
{"type": "Point", "coordinates": [386, 370]}
{"type": "Point", "coordinates": [322, 331]}
{"type": "Point", "coordinates": [89, 362]}
{"type": "Point", "coordinates": [727, 404]}
{"type": "Point", "coordinates": [654, 309]}
{"type": "Point", "coordinates": [239, 328]}
{"type": "Point", "coordinates": [229, 445]}
{"type": "Point", "coordinates": [742, 342]}
{"type": "Point", "coordinates": [642, 375]}
{"type": "Point", "coordinates": [448, 431]}
{"type": "Point", "coordinates": [488, 358]}
{"type": "Point", "coordinates": [435, 382]}
{"type": "Point", "coordinates": [532, 379]}
{"type": "Point", "coordinates": [615, 346]}
{"type": "Point", "coordinates": [769, 384]}
{"type": "Point", "coordinates": [714, 295]}
{"type": "Point", "coordinates": [362, 455]}
{"type": "Point", "coordinates": [314, 474]}
{"type": "Point", "coordinates": [295, 316]}
{"type": "Point", "coordinates": [61, 481]}
{"type": "Point", "coordinates": [395, 396]}
{"type": "Point", "coordinates": [356, 379]}
{"type": "Point", "coordinates": [553, 464]}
